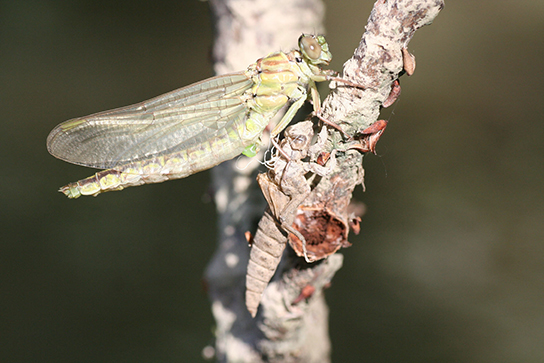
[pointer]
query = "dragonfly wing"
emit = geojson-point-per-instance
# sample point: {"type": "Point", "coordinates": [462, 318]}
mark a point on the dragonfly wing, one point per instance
{"type": "Point", "coordinates": [161, 125]}
{"type": "Point", "coordinates": [200, 124]}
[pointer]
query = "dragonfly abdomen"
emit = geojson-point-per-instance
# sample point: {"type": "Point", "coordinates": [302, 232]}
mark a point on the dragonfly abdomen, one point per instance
{"type": "Point", "coordinates": [199, 157]}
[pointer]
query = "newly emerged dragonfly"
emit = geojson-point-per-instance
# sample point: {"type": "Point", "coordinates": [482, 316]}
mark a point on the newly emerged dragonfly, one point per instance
{"type": "Point", "coordinates": [192, 128]}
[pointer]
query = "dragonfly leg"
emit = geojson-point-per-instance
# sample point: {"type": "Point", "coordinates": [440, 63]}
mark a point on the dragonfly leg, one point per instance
{"type": "Point", "coordinates": [290, 113]}
{"type": "Point", "coordinates": [317, 111]}
{"type": "Point", "coordinates": [346, 82]}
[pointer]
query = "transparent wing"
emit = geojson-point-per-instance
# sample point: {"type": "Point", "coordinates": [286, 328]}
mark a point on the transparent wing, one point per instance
{"type": "Point", "coordinates": [162, 125]}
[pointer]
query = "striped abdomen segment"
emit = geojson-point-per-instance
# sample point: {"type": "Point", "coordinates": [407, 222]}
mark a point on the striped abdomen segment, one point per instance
{"type": "Point", "coordinates": [266, 250]}
{"type": "Point", "coordinates": [161, 168]}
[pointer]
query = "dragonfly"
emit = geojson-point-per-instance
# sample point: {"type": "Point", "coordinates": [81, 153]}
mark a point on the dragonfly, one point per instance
{"type": "Point", "coordinates": [192, 128]}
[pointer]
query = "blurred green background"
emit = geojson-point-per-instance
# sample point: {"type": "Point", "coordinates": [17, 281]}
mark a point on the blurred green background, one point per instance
{"type": "Point", "coordinates": [448, 267]}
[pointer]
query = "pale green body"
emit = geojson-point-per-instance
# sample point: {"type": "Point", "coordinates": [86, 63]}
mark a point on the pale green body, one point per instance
{"type": "Point", "coordinates": [193, 128]}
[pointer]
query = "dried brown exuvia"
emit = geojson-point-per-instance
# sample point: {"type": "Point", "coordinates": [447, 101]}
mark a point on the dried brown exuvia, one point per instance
{"type": "Point", "coordinates": [316, 228]}
{"type": "Point", "coordinates": [285, 187]}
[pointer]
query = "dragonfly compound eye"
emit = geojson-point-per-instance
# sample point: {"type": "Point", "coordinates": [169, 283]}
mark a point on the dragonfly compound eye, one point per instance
{"type": "Point", "coordinates": [310, 47]}
{"type": "Point", "coordinates": [315, 49]}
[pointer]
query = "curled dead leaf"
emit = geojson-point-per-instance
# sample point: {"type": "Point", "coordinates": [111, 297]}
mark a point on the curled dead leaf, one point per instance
{"type": "Point", "coordinates": [393, 95]}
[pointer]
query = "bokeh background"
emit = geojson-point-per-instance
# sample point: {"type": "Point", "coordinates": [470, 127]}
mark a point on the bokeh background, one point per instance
{"type": "Point", "coordinates": [448, 267]}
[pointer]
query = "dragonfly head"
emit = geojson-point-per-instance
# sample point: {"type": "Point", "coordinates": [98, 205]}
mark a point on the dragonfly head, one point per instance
{"type": "Point", "coordinates": [315, 49]}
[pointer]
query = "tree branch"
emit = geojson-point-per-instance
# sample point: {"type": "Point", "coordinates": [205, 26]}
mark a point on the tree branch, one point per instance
{"type": "Point", "coordinates": [245, 31]}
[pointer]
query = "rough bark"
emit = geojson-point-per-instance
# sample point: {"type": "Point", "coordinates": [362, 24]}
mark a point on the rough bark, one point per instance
{"type": "Point", "coordinates": [245, 31]}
